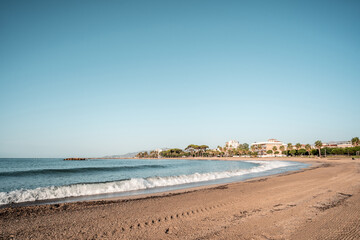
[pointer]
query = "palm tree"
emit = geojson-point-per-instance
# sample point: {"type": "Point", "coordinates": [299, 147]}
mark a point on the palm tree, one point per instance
{"type": "Point", "coordinates": [274, 149]}
{"type": "Point", "coordinates": [253, 148]}
{"type": "Point", "coordinates": [260, 149]}
{"type": "Point", "coordinates": [282, 149]}
{"type": "Point", "coordinates": [355, 141]}
{"type": "Point", "coordinates": [318, 145]}
{"type": "Point", "coordinates": [297, 146]}
{"type": "Point", "coordinates": [230, 152]}
{"type": "Point", "coordinates": [308, 148]}
{"type": "Point", "coordinates": [289, 146]}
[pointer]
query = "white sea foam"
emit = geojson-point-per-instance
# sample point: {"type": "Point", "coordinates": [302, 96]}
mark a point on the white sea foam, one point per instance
{"type": "Point", "coordinates": [53, 192]}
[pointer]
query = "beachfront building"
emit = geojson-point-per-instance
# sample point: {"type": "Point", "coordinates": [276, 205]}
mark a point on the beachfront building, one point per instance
{"type": "Point", "coordinates": [338, 144]}
{"type": "Point", "coordinates": [158, 151]}
{"type": "Point", "coordinates": [261, 148]}
{"type": "Point", "coordinates": [232, 144]}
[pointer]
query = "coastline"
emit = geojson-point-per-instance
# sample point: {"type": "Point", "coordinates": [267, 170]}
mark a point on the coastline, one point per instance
{"type": "Point", "coordinates": [210, 212]}
{"type": "Point", "coordinates": [177, 182]}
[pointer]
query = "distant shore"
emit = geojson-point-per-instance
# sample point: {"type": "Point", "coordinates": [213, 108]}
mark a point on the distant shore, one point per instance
{"type": "Point", "coordinates": [319, 202]}
{"type": "Point", "coordinates": [294, 159]}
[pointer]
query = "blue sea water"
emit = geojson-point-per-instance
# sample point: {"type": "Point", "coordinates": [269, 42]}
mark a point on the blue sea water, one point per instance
{"type": "Point", "coordinates": [33, 179]}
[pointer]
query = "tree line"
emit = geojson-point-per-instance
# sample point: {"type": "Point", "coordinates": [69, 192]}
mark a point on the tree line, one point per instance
{"type": "Point", "coordinates": [298, 149]}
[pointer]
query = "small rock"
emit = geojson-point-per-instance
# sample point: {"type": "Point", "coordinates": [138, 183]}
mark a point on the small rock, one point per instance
{"type": "Point", "coordinates": [167, 231]}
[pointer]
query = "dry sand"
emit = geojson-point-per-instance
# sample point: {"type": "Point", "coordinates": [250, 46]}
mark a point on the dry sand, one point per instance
{"type": "Point", "coordinates": [322, 202]}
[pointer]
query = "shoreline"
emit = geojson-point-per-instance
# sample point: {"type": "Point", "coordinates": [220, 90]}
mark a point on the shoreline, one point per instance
{"type": "Point", "coordinates": [209, 186]}
{"type": "Point", "coordinates": [177, 188]}
{"type": "Point", "coordinates": [316, 202]}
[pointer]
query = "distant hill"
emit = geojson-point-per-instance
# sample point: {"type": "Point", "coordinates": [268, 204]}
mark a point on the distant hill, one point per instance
{"type": "Point", "coordinates": [130, 155]}
{"type": "Point", "coordinates": [127, 155]}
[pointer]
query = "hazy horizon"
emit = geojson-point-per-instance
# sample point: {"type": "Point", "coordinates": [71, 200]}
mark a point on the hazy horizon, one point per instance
{"type": "Point", "coordinates": [88, 79]}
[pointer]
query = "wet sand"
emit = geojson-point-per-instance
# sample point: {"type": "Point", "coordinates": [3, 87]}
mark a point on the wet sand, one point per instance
{"type": "Point", "coordinates": [321, 202]}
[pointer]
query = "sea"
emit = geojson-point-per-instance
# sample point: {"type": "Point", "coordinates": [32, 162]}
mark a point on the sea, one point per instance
{"type": "Point", "coordinates": [35, 181]}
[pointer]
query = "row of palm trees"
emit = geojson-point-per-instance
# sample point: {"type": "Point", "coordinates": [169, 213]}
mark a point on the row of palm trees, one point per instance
{"type": "Point", "coordinates": [203, 150]}
{"type": "Point", "coordinates": [354, 141]}
{"type": "Point", "coordinates": [289, 147]}
{"type": "Point", "coordinates": [299, 147]}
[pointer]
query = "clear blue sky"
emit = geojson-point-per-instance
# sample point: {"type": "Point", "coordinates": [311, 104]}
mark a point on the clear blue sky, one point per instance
{"type": "Point", "coordinates": [92, 78]}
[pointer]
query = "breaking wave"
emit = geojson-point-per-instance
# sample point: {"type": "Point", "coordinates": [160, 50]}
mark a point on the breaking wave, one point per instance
{"type": "Point", "coordinates": [76, 190]}
{"type": "Point", "coordinates": [86, 170]}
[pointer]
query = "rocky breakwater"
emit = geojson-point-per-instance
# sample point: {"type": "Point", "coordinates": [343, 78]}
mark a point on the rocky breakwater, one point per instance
{"type": "Point", "coordinates": [74, 159]}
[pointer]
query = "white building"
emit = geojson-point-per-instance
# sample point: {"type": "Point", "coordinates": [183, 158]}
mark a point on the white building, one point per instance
{"type": "Point", "coordinates": [232, 144]}
{"type": "Point", "coordinates": [262, 147]}
{"type": "Point", "coordinates": [338, 144]}
{"type": "Point", "coordinates": [158, 151]}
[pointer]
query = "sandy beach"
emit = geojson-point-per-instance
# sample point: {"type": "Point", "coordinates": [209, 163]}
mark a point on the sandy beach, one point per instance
{"type": "Point", "coordinates": [321, 202]}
